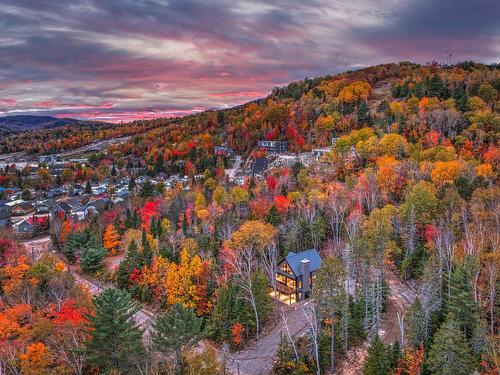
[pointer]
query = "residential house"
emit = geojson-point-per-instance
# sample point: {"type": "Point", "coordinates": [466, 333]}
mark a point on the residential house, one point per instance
{"type": "Point", "coordinates": [22, 208]}
{"type": "Point", "coordinates": [44, 207]}
{"type": "Point", "coordinates": [31, 226]}
{"type": "Point", "coordinates": [260, 166]}
{"type": "Point", "coordinates": [295, 276]}
{"type": "Point", "coordinates": [61, 209]}
{"type": "Point", "coordinates": [274, 146]}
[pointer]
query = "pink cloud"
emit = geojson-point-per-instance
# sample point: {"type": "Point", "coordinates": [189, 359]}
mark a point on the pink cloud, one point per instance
{"type": "Point", "coordinates": [243, 94]}
{"type": "Point", "coordinates": [8, 102]}
{"type": "Point", "coordinates": [56, 104]}
{"type": "Point", "coordinates": [127, 116]}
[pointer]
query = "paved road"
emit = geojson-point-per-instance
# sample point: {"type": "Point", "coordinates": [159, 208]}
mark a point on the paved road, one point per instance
{"type": "Point", "coordinates": [258, 357]}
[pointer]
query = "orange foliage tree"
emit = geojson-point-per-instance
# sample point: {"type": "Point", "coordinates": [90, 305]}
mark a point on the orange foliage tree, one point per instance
{"type": "Point", "coordinates": [111, 239]}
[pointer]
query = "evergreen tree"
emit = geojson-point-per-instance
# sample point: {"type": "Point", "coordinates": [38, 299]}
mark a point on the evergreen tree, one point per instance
{"type": "Point", "coordinates": [273, 216]}
{"type": "Point", "coordinates": [147, 189]}
{"type": "Point", "coordinates": [136, 220]}
{"type": "Point", "coordinates": [363, 113]}
{"type": "Point", "coordinates": [461, 99]}
{"type": "Point", "coordinates": [147, 253]}
{"type": "Point", "coordinates": [159, 227]}
{"type": "Point", "coordinates": [435, 87]}
{"type": "Point", "coordinates": [415, 322]}
{"type": "Point", "coordinates": [461, 304]}
{"type": "Point", "coordinates": [92, 255]}
{"type": "Point", "coordinates": [116, 341]}
{"type": "Point", "coordinates": [176, 330]}
{"type": "Point", "coordinates": [377, 362]}
{"type": "Point", "coordinates": [114, 172]}
{"type": "Point", "coordinates": [152, 227]}
{"type": "Point", "coordinates": [88, 188]}
{"type": "Point", "coordinates": [450, 354]}
{"type": "Point", "coordinates": [128, 219]}
{"type": "Point", "coordinates": [74, 243]}
{"type": "Point", "coordinates": [132, 185]}
{"type": "Point", "coordinates": [132, 260]}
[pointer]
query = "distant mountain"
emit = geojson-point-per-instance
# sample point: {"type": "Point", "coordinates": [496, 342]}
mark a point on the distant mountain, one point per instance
{"type": "Point", "coordinates": [12, 124]}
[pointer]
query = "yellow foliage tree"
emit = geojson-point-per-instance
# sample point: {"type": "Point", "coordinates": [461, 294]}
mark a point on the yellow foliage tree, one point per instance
{"type": "Point", "coordinates": [485, 170]}
{"type": "Point", "coordinates": [357, 90]}
{"type": "Point", "coordinates": [446, 171]}
{"type": "Point", "coordinates": [37, 360]}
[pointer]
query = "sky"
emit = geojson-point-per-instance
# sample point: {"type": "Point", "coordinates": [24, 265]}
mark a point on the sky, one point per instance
{"type": "Point", "coordinates": [121, 60]}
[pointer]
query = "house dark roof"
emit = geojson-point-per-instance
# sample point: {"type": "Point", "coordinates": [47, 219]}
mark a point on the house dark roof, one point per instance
{"type": "Point", "coordinates": [260, 165]}
{"type": "Point", "coordinates": [64, 206]}
{"type": "Point", "coordinates": [294, 259]}
{"type": "Point", "coordinates": [25, 205]}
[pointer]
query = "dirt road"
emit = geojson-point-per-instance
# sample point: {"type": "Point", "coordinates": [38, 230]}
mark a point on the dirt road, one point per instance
{"type": "Point", "coordinates": [37, 247]}
{"type": "Point", "coordinates": [400, 300]}
{"type": "Point", "coordinates": [258, 357]}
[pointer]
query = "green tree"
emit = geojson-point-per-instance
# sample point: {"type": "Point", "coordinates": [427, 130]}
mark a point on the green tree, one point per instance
{"type": "Point", "coordinates": [377, 362]}
{"type": "Point", "coordinates": [487, 92]}
{"type": "Point", "coordinates": [327, 292]}
{"type": "Point", "coordinates": [26, 195]}
{"type": "Point", "coordinates": [175, 331]}
{"type": "Point", "coordinates": [116, 341]}
{"type": "Point", "coordinates": [93, 254]}
{"type": "Point", "coordinates": [132, 260]}
{"type": "Point", "coordinates": [147, 189]}
{"type": "Point", "coordinates": [435, 87]}
{"type": "Point", "coordinates": [132, 185]}
{"type": "Point", "coordinates": [88, 188]}
{"type": "Point", "coordinates": [147, 253]}
{"type": "Point", "coordinates": [273, 216]}
{"type": "Point", "coordinates": [450, 354]}
{"type": "Point", "coordinates": [461, 304]}
{"type": "Point", "coordinates": [74, 244]}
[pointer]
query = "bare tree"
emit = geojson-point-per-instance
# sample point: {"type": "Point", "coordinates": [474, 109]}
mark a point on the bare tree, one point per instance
{"type": "Point", "coordinates": [288, 334]}
{"type": "Point", "coordinates": [311, 316]}
{"type": "Point", "coordinates": [445, 245]}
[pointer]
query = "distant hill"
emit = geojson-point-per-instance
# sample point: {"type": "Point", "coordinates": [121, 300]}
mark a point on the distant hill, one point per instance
{"type": "Point", "coordinates": [12, 124]}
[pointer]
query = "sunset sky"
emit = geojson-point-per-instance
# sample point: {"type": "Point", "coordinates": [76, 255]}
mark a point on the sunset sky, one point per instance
{"type": "Point", "coordinates": [117, 60]}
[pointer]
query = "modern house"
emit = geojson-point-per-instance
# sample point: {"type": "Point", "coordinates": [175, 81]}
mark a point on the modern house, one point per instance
{"type": "Point", "coordinates": [274, 146]}
{"type": "Point", "coordinates": [295, 276]}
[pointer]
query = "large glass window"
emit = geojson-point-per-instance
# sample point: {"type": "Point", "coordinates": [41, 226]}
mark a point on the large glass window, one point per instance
{"type": "Point", "coordinates": [284, 267]}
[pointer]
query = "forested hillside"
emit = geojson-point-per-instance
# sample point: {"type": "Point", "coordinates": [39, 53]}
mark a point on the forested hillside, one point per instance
{"type": "Point", "coordinates": [403, 208]}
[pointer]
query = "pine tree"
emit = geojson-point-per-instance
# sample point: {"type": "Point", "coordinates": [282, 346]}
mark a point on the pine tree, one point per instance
{"type": "Point", "coordinates": [74, 244]}
{"type": "Point", "coordinates": [273, 216]}
{"type": "Point", "coordinates": [147, 254]}
{"type": "Point", "coordinates": [132, 260]}
{"type": "Point", "coordinates": [377, 362]}
{"type": "Point", "coordinates": [450, 354]}
{"type": "Point", "coordinates": [88, 188]}
{"type": "Point", "coordinates": [92, 256]}
{"type": "Point", "coordinates": [128, 219]}
{"type": "Point", "coordinates": [131, 184]}
{"type": "Point", "coordinates": [176, 330]}
{"type": "Point", "coordinates": [435, 87]}
{"type": "Point", "coordinates": [147, 190]}
{"type": "Point", "coordinates": [152, 226]}
{"type": "Point", "coordinates": [461, 303]}
{"type": "Point", "coordinates": [363, 113]}
{"type": "Point", "coordinates": [116, 341]}
{"type": "Point", "coordinates": [136, 220]}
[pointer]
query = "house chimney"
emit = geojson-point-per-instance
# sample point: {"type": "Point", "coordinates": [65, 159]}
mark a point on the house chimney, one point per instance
{"type": "Point", "coordinates": [304, 268]}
